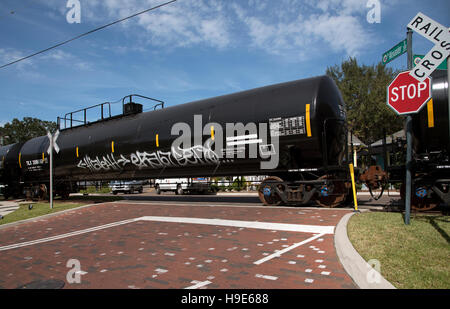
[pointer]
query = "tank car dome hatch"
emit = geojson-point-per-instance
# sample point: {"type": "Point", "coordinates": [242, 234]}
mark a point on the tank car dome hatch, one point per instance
{"type": "Point", "coordinates": [132, 108]}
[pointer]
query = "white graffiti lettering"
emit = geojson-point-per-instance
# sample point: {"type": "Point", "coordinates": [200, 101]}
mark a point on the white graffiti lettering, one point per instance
{"type": "Point", "coordinates": [197, 155]}
{"type": "Point", "coordinates": [106, 163]}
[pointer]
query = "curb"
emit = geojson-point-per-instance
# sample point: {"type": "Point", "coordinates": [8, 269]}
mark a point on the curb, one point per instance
{"type": "Point", "coordinates": [355, 266]}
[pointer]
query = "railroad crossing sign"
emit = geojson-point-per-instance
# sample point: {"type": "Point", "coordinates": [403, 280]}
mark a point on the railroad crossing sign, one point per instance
{"type": "Point", "coordinates": [406, 95]}
{"type": "Point", "coordinates": [437, 34]}
{"type": "Point", "coordinates": [53, 139]}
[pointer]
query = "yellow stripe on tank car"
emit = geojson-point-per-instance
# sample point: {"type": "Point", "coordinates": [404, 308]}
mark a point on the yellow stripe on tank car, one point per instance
{"type": "Point", "coordinates": [20, 163]}
{"type": "Point", "coordinates": [212, 132]}
{"type": "Point", "coordinates": [43, 157]}
{"type": "Point", "coordinates": [157, 140]}
{"type": "Point", "coordinates": [430, 114]}
{"type": "Point", "coordinates": [77, 153]}
{"type": "Point", "coordinates": [112, 147]}
{"type": "Point", "coordinates": [308, 120]}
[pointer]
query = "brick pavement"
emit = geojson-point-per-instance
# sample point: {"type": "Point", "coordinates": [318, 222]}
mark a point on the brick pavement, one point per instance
{"type": "Point", "coordinates": [149, 254]}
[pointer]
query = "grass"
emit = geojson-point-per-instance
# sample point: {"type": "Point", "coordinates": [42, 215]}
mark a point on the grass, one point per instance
{"type": "Point", "coordinates": [92, 189]}
{"type": "Point", "coordinates": [411, 257]}
{"type": "Point", "coordinates": [40, 209]}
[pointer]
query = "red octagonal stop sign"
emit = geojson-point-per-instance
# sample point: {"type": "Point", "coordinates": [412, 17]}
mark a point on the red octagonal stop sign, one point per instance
{"type": "Point", "coordinates": [407, 95]}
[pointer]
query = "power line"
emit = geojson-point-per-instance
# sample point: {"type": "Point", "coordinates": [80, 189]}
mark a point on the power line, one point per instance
{"type": "Point", "coordinates": [89, 32]}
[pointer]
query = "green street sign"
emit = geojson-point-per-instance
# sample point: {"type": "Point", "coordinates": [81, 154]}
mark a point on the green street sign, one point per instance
{"type": "Point", "coordinates": [417, 58]}
{"type": "Point", "coordinates": [394, 52]}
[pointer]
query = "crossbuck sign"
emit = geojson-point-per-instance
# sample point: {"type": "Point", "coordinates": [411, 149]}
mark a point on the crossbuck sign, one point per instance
{"type": "Point", "coordinates": [52, 139]}
{"type": "Point", "coordinates": [436, 33]}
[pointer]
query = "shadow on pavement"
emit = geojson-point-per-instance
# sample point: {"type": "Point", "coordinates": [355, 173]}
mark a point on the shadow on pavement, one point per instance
{"type": "Point", "coordinates": [195, 198]}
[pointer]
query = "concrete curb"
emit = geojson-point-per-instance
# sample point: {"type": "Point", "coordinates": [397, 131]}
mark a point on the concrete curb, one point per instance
{"type": "Point", "coordinates": [355, 266]}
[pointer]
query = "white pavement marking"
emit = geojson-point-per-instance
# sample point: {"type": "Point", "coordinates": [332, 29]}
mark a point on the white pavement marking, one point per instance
{"type": "Point", "coordinates": [247, 224]}
{"type": "Point", "coordinates": [198, 285]}
{"type": "Point", "coordinates": [215, 222]}
{"type": "Point", "coordinates": [266, 277]}
{"type": "Point", "coordinates": [42, 240]}
{"type": "Point", "coordinates": [279, 253]}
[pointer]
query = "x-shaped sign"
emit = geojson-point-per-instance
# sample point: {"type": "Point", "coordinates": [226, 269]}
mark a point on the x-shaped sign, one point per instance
{"type": "Point", "coordinates": [52, 139]}
{"type": "Point", "coordinates": [436, 33]}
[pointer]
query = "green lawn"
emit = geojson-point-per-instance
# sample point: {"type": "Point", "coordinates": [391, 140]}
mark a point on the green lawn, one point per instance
{"type": "Point", "coordinates": [40, 209]}
{"type": "Point", "coordinates": [411, 257]}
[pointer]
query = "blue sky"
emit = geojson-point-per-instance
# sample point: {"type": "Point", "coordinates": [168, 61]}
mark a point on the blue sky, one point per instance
{"type": "Point", "coordinates": [189, 50]}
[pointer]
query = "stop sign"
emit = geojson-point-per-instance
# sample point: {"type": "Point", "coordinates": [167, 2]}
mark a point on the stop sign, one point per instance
{"type": "Point", "coordinates": [407, 95]}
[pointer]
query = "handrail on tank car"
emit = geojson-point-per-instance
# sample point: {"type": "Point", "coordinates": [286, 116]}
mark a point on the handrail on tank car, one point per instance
{"type": "Point", "coordinates": [161, 103]}
{"type": "Point", "coordinates": [84, 110]}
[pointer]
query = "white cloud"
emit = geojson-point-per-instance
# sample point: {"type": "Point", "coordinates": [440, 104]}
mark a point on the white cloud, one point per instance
{"type": "Point", "coordinates": [304, 28]}
{"type": "Point", "coordinates": [291, 28]}
{"type": "Point", "coordinates": [8, 55]}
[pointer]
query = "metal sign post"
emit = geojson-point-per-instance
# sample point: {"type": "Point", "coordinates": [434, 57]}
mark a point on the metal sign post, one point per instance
{"type": "Point", "coordinates": [408, 138]}
{"type": "Point", "coordinates": [53, 145]}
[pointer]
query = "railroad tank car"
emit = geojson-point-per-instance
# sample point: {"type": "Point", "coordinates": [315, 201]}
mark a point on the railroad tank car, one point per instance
{"type": "Point", "coordinates": [10, 170]}
{"type": "Point", "coordinates": [300, 125]}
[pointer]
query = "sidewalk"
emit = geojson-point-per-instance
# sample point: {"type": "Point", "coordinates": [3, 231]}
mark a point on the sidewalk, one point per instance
{"type": "Point", "coordinates": [7, 207]}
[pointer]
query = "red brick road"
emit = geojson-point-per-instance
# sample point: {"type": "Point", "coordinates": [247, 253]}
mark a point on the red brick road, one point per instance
{"type": "Point", "coordinates": [151, 254]}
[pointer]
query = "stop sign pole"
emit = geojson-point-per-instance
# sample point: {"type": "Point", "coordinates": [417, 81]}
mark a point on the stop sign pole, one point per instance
{"type": "Point", "coordinates": [408, 137]}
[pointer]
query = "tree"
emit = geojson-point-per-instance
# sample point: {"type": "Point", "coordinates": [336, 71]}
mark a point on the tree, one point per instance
{"type": "Point", "coordinates": [23, 130]}
{"type": "Point", "coordinates": [364, 89]}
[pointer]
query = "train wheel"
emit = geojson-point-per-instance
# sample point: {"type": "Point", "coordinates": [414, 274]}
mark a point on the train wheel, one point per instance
{"type": "Point", "coordinates": [332, 197]}
{"type": "Point", "coordinates": [267, 196]}
{"type": "Point", "coordinates": [420, 200]}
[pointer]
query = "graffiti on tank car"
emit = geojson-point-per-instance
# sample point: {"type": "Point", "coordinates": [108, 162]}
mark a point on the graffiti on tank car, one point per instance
{"type": "Point", "coordinates": [106, 163]}
{"type": "Point", "coordinates": [196, 155]}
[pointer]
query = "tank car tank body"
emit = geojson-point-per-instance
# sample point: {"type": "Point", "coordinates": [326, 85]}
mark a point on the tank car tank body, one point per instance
{"type": "Point", "coordinates": [299, 126]}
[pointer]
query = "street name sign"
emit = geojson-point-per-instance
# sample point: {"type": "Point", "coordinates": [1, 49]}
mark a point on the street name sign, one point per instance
{"type": "Point", "coordinates": [394, 52]}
